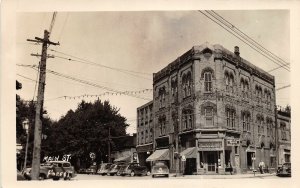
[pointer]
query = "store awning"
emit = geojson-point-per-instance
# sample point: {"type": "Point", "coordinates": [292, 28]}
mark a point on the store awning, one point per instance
{"type": "Point", "coordinates": [123, 159]}
{"type": "Point", "coordinates": [189, 153]}
{"type": "Point", "coordinates": [159, 155]}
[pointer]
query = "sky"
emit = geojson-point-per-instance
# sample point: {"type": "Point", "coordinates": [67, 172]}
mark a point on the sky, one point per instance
{"type": "Point", "coordinates": [142, 42]}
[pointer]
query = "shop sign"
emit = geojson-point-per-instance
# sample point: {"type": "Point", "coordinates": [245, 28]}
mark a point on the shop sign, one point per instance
{"type": "Point", "coordinates": [210, 145]}
{"type": "Point", "coordinates": [233, 142]}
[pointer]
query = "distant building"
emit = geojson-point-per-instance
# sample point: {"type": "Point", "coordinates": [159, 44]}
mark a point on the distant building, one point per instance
{"type": "Point", "coordinates": [212, 107]}
{"type": "Point", "coordinates": [124, 150]}
{"type": "Point", "coordinates": [284, 135]}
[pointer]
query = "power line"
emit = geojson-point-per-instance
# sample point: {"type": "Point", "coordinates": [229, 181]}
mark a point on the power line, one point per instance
{"type": "Point", "coordinates": [259, 51]}
{"type": "Point", "coordinates": [85, 82]}
{"type": "Point", "coordinates": [97, 64]}
{"type": "Point", "coordinates": [234, 27]}
{"type": "Point", "coordinates": [265, 51]}
{"type": "Point", "coordinates": [26, 77]}
{"type": "Point", "coordinates": [283, 87]}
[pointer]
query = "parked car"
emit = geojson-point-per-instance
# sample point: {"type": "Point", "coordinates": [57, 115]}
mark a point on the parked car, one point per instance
{"type": "Point", "coordinates": [104, 168]}
{"type": "Point", "coordinates": [121, 168]}
{"type": "Point", "coordinates": [160, 169]}
{"type": "Point", "coordinates": [133, 169]}
{"type": "Point", "coordinates": [55, 170]}
{"type": "Point", "coordinates": [20, 176]}
{"type": "Point", "coordinates": [113, 170]}
{"type": "Point", "coordinates": [91, 170]}
{"type": "Point", "coordinates": [284, 170]}
{"type": "Point", "coordinates": [82, 171]}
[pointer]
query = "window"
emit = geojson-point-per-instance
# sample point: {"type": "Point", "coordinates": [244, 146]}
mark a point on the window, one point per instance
{"type": "Point", "coordinates": [209, 116]}
{"type": "Point", "coordinates": [146, 136]}
{"type": "Point", "coordinates": [162, 125]}
{"type": "Point", "coordinates": [151, 134]}
{"type": "Point", "coordinates": [208, 81]}
{"type": "Point", "coordinates": [174, 88]}
{"type": "Point", "coordinates": [231, 82]}
{"type": "Point", "coordinates": [246, 121]}
{"type": "Point", "coordinates": [283, 131]}
{"type": "Point", "coordinates": [187, 119]}
{"type": "Point", "coordinates": [230, 116]}
{"type": "Point", "coordinates": [162, 97]}
{"type": "Point", "coordinates": [142, 137]}
{"type": "Point", "coordinates": [187, 85]}
{"type": "Point", "coordinates": [260, 127]}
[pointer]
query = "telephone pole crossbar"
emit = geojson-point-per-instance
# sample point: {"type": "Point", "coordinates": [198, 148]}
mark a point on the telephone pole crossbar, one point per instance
{"type": "Point", "coordinates": [35, 172]}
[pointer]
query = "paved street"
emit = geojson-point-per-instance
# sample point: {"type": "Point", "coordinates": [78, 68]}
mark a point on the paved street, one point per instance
{"type": "Point", "coordinates": [172, 176]}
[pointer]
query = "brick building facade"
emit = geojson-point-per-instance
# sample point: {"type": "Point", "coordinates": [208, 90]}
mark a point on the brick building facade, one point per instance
{"type": "Point", "coordinates": [284, 135]}
{"type": "Point", "coordinates": [213, 107]}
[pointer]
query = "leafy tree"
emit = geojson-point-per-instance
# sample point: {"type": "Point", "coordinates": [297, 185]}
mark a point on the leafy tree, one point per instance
{"type": "Point", "coordinates": [85, 130]}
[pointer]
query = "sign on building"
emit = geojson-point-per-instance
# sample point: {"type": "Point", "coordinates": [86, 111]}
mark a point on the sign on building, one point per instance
{"type": "Point", "coordinates": [233, 142]}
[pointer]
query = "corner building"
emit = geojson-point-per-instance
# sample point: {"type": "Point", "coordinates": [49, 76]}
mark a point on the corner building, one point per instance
{"type": "Point", "coordinates": [214, 108]}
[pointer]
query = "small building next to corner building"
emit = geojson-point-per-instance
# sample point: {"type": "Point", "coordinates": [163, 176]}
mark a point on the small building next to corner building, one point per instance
{"type": "Point", "coordinates": [211, 109]}
{"type": "Point", "coordinates": [284, 135]}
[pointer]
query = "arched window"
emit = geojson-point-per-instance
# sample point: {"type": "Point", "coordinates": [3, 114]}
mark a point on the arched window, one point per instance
{"type": "Point", "coordinates": [208, 111]}
{"type": "Point", "coordinates": [189, 84]}
{"type": "Point", "coordinates": [230, 117]}
{"type": "Point", "coordinates": [208, 81]}
{"type": "Point", "coordinates": [231, 82]}
{"type": "Point", "coordinates": [227, 81]}
{"type": "Point", "coordinates": [184, 88]}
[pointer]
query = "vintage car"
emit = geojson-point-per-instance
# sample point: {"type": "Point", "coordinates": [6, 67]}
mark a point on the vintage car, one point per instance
{"type": "Point", "coordinates": [284, 170]}
{"type": "Point", "coordinates": [91, 170]}
{"type": "Point", "coordinates": [113, 170]}
{"type": "Point", "coordinates": [160, 168]}
{"type": "Point", "coordinates": [20, 176]}
{"type": "Point", "coordinates": [104, 169]}
{"type": "Point", "coordinates": [55, 170]}
{"type": "Point", "coordinates": [133, 169]}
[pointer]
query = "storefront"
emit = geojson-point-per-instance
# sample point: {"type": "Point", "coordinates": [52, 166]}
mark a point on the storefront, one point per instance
{"type": "Point", "coordinates": [143, 153]}
{"type": "Point", "coordinates": [211, 156]}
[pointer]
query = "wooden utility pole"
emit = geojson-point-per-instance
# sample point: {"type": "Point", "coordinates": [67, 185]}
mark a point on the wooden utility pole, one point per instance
{"type": "Point", "coordinates": [35, 171]}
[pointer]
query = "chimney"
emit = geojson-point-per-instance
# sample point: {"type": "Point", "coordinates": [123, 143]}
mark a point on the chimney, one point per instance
{"type": "Point", "coordinates": [237, 51]}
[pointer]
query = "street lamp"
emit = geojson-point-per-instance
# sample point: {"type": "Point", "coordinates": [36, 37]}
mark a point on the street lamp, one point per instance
{"type": "Point", "coordinates": [26, 127]}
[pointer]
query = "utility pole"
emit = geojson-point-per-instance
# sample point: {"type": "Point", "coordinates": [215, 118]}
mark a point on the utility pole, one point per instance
{"type": "Point", "coordinates": [35, 172]}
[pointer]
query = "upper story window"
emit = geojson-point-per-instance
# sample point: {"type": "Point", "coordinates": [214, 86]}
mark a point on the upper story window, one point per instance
{"type": "Point", "coordinates": [246, 121]}
{"type": "Point", "coordinates": [162, 125]}
{"type": "Point", "coordinates": [187, 84]}
{"type": "Point", "coordinates": [229, 82]}
{"type": "Point", "coordinates": [174, 89]}
{"type": "Point", "coordinates": [207, 75]}
{"type": "Point", "coordinates": [283, 131]}
{"type": "Point", "coordinates": [187, 119]}
{"type": "Point", "coordinates": [146, 136]}
{"type": "Point", "coordinates": [162, 97]}
{"type": "Point", "coordinates": [230, 116]}
{"type": "Point", "coordinates": [142, 137]}
{"type": "Point", "coordinates": [269, 127]}
{"type": "Point", "coordinates": [245, 88]}
{"type": "Point", "coordinates": [260, 126]}
{"type": "Point", "coordinates": [258, 92]}
{"type": "Point", "coordinates": [209, 114]}
{"type": "Point", "coordinates": [151, 134]}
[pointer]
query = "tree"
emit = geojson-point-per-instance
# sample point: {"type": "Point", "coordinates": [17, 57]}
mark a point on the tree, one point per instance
{"type": "Point", "coordinates": [26, 111]}
{"type": "Point", "coordinates": [85, 130]}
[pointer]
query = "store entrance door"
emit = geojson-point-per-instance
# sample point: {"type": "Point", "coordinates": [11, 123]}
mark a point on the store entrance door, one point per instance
{"type": "Point", "coordinates": [212, 161]}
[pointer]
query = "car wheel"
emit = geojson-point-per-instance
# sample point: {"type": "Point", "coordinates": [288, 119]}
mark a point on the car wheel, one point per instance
{"type": "Point", "coordinates": [42, 176]}
{"type": "Point", "coordinates": [167, 175]}
{"type": "Point", "coordinates": [55, 178]}
{"type": "Point", "coordinates": [153, 176]}
{"type": "Point", "coordinates": [148, 173]}
{"type": "Point", "coordinates": [132, 173]}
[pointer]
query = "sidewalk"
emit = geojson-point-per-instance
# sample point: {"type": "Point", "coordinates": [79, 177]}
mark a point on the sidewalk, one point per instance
{"type": "Point", "coordinates": [223, 176]}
